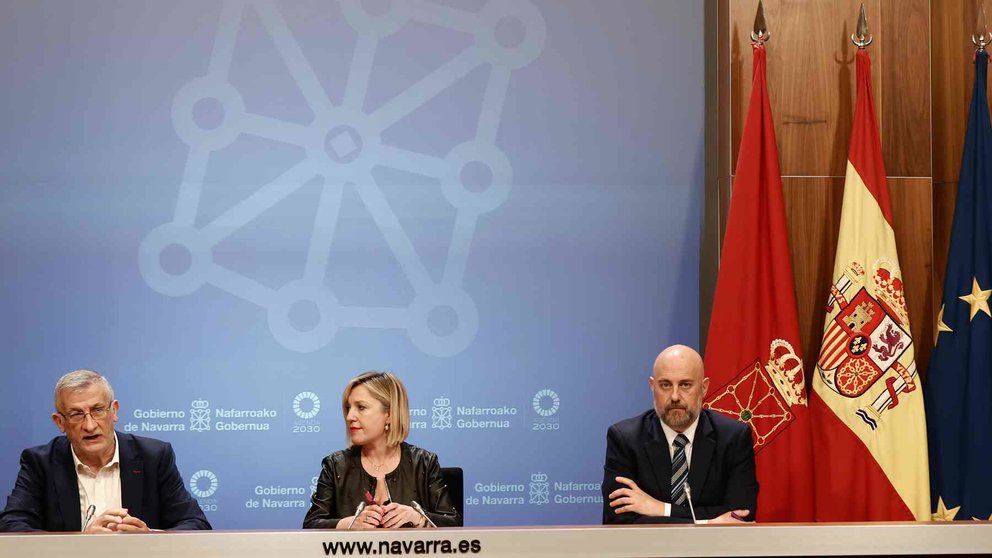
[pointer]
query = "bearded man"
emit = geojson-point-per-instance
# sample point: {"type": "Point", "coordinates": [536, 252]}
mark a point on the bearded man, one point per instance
{"type": "Point", "coordinates": [651, 458]}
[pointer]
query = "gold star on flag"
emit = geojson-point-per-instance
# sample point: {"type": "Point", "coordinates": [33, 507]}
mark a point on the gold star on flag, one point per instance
{"type": "Point", "coordinates": [941, 326]}
{"type": "Point", "coordinates": [944, 514]}
{"type": "Point", "coordinates": [978, 299]}
{"type": "Point", "coordinates": [976, 519]}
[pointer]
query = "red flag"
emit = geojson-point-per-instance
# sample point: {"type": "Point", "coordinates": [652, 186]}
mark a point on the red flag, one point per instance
{"type": "Point", "coordinates": [869, 429]}
{"type": "Point", "coordinates": [752, 350]}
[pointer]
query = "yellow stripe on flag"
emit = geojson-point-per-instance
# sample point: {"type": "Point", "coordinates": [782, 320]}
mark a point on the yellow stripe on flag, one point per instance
{"type": "Point", "coordinates": [898, 443]}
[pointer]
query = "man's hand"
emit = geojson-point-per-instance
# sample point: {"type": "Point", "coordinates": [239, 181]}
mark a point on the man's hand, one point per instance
{"type": "Point", "coordinates": [116, 520]}
{"type": "Point", "coordinates": [633, 499]}
{"type": "Point", "coordinates": [130, 524]}
{"type": "Point", "coordinates": [397, 515]}
{"type": "Point", "coordinates": [736, 516]}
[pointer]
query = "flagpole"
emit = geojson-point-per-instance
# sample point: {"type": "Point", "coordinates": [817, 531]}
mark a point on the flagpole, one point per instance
{"type": "Point", "coordinates": [760, 35]}
{"type": "Point", "coordinates": [984, 37]}
{"type": "Point", "coordinates": [861, 37]}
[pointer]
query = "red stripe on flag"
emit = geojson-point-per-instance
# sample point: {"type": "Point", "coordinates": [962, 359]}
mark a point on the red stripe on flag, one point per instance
{"type": "Point", "coordinates": [834, 348]}
{"type": "Point", "coordinates": [851, 486]}
{"type": "Point", "coordinates": [865, 152]}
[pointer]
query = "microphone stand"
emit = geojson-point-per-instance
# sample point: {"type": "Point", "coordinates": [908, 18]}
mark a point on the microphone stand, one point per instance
{"type": "Point", "coordinates": [421, 511]}
{"type": "Point", "coordinates": [358, 510]}
{"type": "Point", "coordinates": [688, 498]}
{"type": "Point", "coordinates": [89, 515]}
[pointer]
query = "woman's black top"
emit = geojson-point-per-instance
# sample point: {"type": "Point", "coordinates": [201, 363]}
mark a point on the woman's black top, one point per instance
{"type": "Point", "coordinates": [343, 482]}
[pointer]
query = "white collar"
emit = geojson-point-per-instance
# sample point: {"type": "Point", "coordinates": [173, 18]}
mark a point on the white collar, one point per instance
{"type": "Point", "coordinates": [116, 459]}
{"type": "Point", "coordinates": [690, 431]}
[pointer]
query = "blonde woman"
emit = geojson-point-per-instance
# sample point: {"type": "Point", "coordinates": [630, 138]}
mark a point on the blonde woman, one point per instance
{"type": "Point", "coordinates": [388, 477]}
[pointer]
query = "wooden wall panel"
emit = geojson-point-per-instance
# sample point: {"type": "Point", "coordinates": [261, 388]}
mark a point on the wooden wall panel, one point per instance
{"type": "Point", "coordinates": [812, 206]}
{"type": "Point", "coordinates": [902, 39]}
{"type": "Point", "coordinates": [953, 23]}
{"type": "Point", "coordinates": [810, 78]}
{"type": "Point", "coordinates": [811, 84]}
{"type": "Point", "coordinates": [912, 212]}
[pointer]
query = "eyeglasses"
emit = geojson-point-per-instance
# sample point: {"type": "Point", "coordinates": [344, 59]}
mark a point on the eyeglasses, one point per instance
{"type": "Point", "coordinates": [76, 417]}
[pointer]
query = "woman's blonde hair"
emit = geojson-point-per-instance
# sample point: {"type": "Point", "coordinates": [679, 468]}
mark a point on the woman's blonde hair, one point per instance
{"type": "Point", "coordinates": [388, 390]}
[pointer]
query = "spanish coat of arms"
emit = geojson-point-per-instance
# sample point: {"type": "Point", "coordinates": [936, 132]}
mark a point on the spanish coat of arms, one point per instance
{"type": "Point", "coordinates": [867, 339]}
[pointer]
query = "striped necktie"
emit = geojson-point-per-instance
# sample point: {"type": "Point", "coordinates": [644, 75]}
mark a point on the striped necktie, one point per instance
{"type": "Point", "coordinates": [680, 470]}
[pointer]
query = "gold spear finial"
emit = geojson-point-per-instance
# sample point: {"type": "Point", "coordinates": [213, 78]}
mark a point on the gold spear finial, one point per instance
{"type": "Point", "coordinates": [982, 38]}
{"type": "Point", "coordinates": [760, 34]}
{"type": "Point", "coordinates": [862, 38]}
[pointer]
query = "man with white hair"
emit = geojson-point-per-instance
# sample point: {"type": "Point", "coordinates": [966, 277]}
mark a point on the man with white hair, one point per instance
{"type": "Point", "coordinates": [95, 479]}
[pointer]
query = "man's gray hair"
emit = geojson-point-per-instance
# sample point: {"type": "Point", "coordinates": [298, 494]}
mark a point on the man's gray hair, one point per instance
{"type": "Point", "coordinates": [77, 380]}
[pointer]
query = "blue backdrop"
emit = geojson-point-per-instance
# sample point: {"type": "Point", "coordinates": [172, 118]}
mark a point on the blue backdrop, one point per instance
{"type": "Point", "coordinates": [231, 208]}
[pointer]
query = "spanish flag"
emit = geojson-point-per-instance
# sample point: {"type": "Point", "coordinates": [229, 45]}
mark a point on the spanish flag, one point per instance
{"type": "Point", "coordinates": [869, 428]}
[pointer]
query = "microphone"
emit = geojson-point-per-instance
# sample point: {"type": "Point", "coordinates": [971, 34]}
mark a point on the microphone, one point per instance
{"type": "Point", "coordinates": [421, 511]}
{"type": "Point", "coordinates": [388, 499]}
{"type": "Point", "coordinates": [358, 510]}
{"type": "Point", "coordinates": [89, 515]}
{"type": "Point", "coordinates": [688, 498]}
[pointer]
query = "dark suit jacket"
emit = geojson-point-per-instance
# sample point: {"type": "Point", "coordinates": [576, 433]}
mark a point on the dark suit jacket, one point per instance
{"type": "Point", "coordinates": [721, 472]}
{"type": "Point", "coordinates": [46, 493]}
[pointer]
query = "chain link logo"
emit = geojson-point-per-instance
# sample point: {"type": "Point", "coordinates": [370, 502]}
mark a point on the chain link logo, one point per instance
{"type": "Point", "coordinates": [343, 145]}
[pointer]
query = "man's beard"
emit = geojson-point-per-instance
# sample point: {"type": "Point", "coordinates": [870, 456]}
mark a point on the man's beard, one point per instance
{"type": "Point", "coordinates": [679, 420]}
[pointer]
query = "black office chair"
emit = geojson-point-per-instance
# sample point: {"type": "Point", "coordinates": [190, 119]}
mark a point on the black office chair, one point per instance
{"type": "Point", "coordinates": [455, 480]}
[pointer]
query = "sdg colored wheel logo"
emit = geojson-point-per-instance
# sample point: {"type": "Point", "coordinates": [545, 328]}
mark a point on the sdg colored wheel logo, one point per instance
{"type": "Point", "coordinates": [201, 478]}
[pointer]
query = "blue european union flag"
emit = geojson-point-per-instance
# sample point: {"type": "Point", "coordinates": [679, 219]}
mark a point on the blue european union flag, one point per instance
{"type": "Point", "coordinates": [958, 389]}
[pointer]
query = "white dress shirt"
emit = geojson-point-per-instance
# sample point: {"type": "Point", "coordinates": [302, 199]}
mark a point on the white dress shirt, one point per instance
{"type": "Point", "coordinates": [101, 488]}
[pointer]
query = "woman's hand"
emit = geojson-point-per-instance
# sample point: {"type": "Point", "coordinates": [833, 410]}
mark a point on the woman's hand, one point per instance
{"type": "Point", "coordinates": [397, 515]}
{"type": "Point", "coordinates": [370, 518]}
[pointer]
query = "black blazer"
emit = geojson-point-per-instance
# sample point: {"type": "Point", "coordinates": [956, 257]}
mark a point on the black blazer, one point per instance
{"type": "Point", "coordinates": [721, 472]}
{"type": "Point", "coordinates": [46, 493]}
{"type": "Point", "coordinates": [343, 482]}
